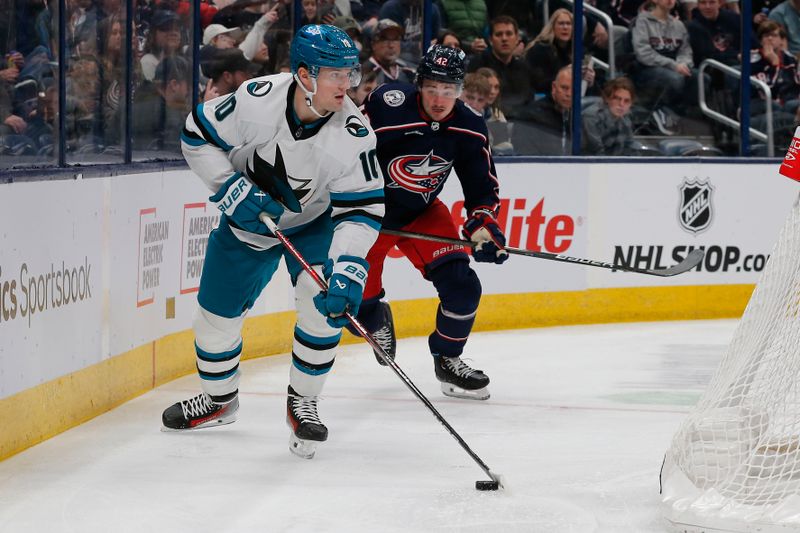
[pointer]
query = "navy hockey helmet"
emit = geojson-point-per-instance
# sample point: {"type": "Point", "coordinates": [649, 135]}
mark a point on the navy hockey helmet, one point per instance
{"type": "Point", "coordinates": [442, 63]}
{"type": "Point", "coordinates": [322, 45]}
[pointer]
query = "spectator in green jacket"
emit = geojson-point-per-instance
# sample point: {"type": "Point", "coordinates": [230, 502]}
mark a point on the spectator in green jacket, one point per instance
{"type": "Point", "coordinates": [467, 18]}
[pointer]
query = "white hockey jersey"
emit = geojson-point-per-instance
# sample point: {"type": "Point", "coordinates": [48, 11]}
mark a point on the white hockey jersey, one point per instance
{"type": "Point", "coordinates": [330, 163]}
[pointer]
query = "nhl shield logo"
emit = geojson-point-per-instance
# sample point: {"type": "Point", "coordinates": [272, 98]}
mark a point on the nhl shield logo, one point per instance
{"type": "Point", "coordinates": [695, 212]}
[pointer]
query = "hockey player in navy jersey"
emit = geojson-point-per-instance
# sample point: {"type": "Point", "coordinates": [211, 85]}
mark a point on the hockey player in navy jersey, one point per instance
{"type": "Point", "coordinates": [424, 132]}
{"type": "Point", "coordinates": [304, 138]}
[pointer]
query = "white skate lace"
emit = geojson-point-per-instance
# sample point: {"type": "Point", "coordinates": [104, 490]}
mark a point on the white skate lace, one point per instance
{"type": "Point", "coordinates": [384, 338]}
{"type": "Point", "coordinates": [305, 408]}
{"type": "Point", "coordinates": [197, 406]}
{"type": "Point", "coordinates": [459, 367]}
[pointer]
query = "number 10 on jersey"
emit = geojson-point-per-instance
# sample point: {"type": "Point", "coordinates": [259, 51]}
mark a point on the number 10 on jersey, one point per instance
{"type": "Point", "coordinates": [369, 164]}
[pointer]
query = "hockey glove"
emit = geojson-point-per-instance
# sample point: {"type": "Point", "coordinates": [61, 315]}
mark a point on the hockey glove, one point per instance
{"type": "Point", "coordinates": [242, 202]}
{"type": "Point", "coordinates": [482, 229]}
{"type": "Point", "coordinates": [346, 279]}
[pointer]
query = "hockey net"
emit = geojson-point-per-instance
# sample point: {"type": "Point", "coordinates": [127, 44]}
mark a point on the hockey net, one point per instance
{"type": "Point", "coordinates": [734, 464]}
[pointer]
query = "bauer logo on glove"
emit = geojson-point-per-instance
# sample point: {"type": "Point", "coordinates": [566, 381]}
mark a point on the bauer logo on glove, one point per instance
{"type": "Point", "coordinates": [489, 242]}
{"type": "Point", "coordinates": [242, 202]}
{"type": "Point", "coordinates": [346, 279]}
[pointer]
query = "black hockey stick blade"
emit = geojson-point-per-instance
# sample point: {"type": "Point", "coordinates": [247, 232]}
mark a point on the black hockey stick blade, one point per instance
{"type": "Point", "coordinates": [689, 262]}
{"type": "Point", "coordinates": [273, 180]}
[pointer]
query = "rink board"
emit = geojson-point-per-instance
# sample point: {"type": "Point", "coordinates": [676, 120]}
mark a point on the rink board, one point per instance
{"type": "Point", "coordinates": [98, 277]}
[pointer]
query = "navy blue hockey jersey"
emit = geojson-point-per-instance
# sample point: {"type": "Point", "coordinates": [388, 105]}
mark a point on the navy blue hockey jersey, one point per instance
{"type": "Point", "coordinates": [417, 154]}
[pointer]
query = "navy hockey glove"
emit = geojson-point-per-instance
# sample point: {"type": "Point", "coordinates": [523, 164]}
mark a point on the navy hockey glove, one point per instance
{"type": "Point", "coordinates": [242, 202]}
{"type": "Point", "coordinates": [346, 279]}
{"type": "Point", "coordinates": [482, 229]}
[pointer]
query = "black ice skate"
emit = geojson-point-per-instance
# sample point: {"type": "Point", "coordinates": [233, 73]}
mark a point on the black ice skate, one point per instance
{"type": "Point", "coordinates": [459, 380]}
{"type": "Point", "coordinates": [199, 412]}
{"type": "Point", "coordinates": [307, 429]}
{"type": "Point", "coordinates": [384, 335]}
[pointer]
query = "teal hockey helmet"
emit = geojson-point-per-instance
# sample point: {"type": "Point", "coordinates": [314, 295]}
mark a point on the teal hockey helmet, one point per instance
{"type": "Point", "coordinates": [322, 45]}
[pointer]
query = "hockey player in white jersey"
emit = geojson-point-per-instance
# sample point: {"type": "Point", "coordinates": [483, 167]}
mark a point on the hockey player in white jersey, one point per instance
{"type": "Point", "coordinates": [303, 141]}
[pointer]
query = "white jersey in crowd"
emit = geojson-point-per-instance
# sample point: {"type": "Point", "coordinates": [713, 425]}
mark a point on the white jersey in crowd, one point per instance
{"type": "Point", "coordinates": [329, 163]}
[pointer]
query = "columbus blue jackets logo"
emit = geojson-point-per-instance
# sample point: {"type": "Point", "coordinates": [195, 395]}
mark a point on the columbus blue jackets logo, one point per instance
{"type": "Point", "coordinates": [422, 174]}
{"type": "Point", "coordinates": [394, 98]}
{"type": "Point", "coordinates": [355, 127]}
{"type": "Point", "coordinates": [695, 212]}
{"type": "Point", "coordinates": [259, 88]}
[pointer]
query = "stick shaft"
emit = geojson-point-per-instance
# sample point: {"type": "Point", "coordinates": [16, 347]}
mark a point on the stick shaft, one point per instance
{"type": "Point", "coordinates": [688, 263]}
{"type": "Point", "coordinates": [375, 346]}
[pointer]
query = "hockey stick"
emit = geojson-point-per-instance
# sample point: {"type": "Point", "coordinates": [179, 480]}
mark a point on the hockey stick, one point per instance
{"type": "Point", "coordinates": [496, 479]}
{"type": "Point", "coordinates": [689, 262]}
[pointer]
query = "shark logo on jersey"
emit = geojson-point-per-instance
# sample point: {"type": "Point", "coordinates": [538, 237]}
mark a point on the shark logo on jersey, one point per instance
{"type": "Point", "coordinates": [355, 127]}
{"type": "Point", "coordinates": [695, 213]}
{"type": "Point", "coordinates": [259, 88]}
{"type": "Point", "coordinates": [422, 174]}
{"type": "Point", "coordinates": [394, 98]}
{"type": "Point", "coordinates": [274, 179]}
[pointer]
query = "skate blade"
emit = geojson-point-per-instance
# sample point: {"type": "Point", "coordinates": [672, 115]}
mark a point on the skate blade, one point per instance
{"type": "Point", "coordinates": [222, 421]}
{"type": "Point", "coordinates": [448, 389]}
{"type": "Point", "coordinates": [302, 448]}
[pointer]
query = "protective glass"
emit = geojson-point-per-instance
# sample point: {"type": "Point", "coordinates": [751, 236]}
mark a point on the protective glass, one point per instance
{"type": "Point", "coordinates": [338, 76]}
{"type": "Point", "coordinates": [449, 91]}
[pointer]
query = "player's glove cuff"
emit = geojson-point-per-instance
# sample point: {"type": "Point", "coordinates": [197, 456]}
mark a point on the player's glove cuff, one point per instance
{"type": "Point", "coordinates": [232, 193]}
{"type": "Point", "coordinates": [352, 267]}
{"type": "Point", "coordinates": [482, 229]}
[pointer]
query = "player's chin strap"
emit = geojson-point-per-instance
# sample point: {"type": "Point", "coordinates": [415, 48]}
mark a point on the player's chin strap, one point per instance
{"type": "Point", "coordinates": [310, 94]}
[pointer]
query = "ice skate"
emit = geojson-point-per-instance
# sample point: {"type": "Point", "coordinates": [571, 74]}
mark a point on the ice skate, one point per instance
{"type": "Point", "coordinates": [199, 412]}
{"type": "Point", "coordinates": [459, 380]}
{"type": "Point", "coordinates": [303, 419]}
{"type": "Point", "coordinates": [384, 335]}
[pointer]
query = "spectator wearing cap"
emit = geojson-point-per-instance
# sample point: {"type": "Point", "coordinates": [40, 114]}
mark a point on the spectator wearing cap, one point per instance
{"type": "Point", "coordinates": [163, 40]}
{"type": "Point", "coordinates": [515, 75]}
{"type": "Point", "coordinates": [352, 28]}
{"type": "Point", "coordinates": [467, 19]}
{"type": "Point", "coordinates": [161, 108]}
{"type": "Point", "coordinates": [227, 69]}
{"type": "Point", "coordinates": [408, 14]}
{"type": "Point", "coordinates": [220, 37]}
{"type": "Point", "coordinates": [386, 52]}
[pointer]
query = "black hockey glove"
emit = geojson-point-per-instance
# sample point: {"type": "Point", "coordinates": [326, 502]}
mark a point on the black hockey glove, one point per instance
{"type": "Point", "coordinates": [482, 229]}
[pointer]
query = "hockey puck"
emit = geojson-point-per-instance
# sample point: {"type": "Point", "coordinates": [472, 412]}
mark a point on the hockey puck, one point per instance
{"type": "Point", "coordinates": [487, 485]}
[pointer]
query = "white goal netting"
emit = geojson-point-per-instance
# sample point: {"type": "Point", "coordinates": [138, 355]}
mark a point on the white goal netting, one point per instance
{"type": "Point", "coordinates": [734, 464]}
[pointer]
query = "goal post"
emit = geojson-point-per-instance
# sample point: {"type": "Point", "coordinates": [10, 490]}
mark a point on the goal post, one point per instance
{"type": "Point", "coordinates": [734, 463]}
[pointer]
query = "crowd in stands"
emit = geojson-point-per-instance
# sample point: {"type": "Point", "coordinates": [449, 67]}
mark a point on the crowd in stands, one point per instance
{"type": "Point", "coordinates": [519, 67]}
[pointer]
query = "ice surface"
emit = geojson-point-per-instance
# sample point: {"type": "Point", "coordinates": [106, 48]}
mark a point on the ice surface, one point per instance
{"type": "Point", "coordinates": [578, 423]}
